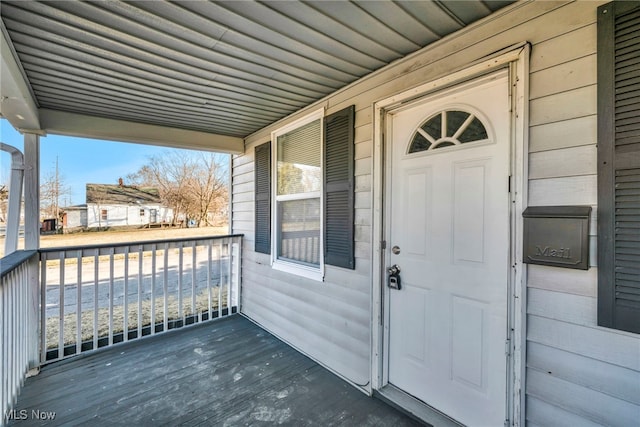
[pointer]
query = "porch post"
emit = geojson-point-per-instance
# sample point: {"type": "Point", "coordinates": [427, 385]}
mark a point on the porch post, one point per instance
{"type": "Point", "coordinates": [32, 237]}
{"type": "Point", "coordinates": [31, 191]}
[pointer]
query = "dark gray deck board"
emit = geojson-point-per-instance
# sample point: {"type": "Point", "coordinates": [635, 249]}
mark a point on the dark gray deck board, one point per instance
{"type": "Point", "coordinates": [223, 373]}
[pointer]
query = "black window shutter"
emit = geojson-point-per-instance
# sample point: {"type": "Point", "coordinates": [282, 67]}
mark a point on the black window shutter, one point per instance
{"type": "Point", "coordinates": [619, 166]}
{"type": "Point", "coordinates": [263, 198]}
{"type": "Point", "coordinates": [339, 183]}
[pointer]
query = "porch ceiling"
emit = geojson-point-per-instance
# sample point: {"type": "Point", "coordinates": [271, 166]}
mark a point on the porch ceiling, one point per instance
{"type": "Point", "coordinates": [226, 68]}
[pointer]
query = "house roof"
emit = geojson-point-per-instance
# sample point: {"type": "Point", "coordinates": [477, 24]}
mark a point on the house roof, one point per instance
{"type": "Point", "coordinates": [121, 195]}
{"type": "Point", "coordinates": [75, 207]}
{"type": "Point", "coordinates": [217, 70]}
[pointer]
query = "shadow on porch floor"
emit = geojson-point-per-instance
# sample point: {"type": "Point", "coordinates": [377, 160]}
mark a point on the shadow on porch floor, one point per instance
{"type": "Point", "coordinates": [224, 373]}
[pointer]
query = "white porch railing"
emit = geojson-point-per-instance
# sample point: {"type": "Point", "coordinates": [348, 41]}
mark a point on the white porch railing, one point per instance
{"type": "Point", "coordinates": [96, 296]}
{"type": "Point", "coordinates": [18, 324]}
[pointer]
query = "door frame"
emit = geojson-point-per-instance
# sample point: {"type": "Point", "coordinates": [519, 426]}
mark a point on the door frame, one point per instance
{"type": "Point", "coordinates": [516, 60]}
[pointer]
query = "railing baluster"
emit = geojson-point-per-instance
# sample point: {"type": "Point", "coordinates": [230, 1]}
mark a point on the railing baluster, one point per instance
{"type": "Point", "coordinates": [125, 302]}
{"type": "Point", "coordinates": [96, 279]}
{"type": "Point", "coordinates": [237, 272]}
{"type": "Point", "coordinates": [111, 299]}
{"type": "Point", "coordinates": [165, 288]}
{"type": "Point", "coordinates": [153, 289]}
{"type": "Point", "coordinates": [61, 307]}
{"type": "Point", "coordinates": [228, 246]}
{"type": "Point", "coordinates": [4, 335]}
{"type": "Point", "coordinates": [220, 279]}
{"type": "Point", "coordinates": [8, 370]}
{"type": "Point", "coordinates": [79, 302]}
{"type": "Point", "coordinates": [13, 360]}
{"type": "Point", "coordinates": [209, 264]}
{"type": "Point", "coordinates": [193, 281]}
{"type": "Point", "coordinates": [43, 307]}
{"type": "Point", "coordinates": [180, 256]}
{"type": "Point", "coordinates": [4, 345]}
{"type": "Point", "coordinates": [14, 311]}
{"type": "Point", "coordinates": [22, 304]}
{"type": "Point", "coordinates": [11, 341]}
{"type": "Point", "coordinates": [140, 282]}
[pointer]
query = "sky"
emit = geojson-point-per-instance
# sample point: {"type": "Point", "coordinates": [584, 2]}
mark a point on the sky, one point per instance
{"type": "Point", "coordinates": [80, 160]}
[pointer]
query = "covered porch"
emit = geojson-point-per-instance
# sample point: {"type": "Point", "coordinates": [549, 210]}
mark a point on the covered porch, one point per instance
{"type": "Point", "coordinates": [206, 76]}
{"type": "Point", "coordinates": [226, 372]}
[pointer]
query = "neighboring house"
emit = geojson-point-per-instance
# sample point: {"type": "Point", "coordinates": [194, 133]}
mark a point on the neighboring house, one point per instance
{"type": "Point", "coordinates": [74, 218]}
{"type": "Point", "coordinates": [429, 164]}
{"type": "Point", "coordinates": [124, 205]}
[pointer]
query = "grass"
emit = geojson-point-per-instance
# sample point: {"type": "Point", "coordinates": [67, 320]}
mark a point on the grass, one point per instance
{"type": "Point", "coordinates": [87, 317]}
{"type": "Point", "coordinates": [112, 237]}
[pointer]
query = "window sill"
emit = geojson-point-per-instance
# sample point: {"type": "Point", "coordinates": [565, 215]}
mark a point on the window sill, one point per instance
{"type": "Point", "coordinates": [316, 274]}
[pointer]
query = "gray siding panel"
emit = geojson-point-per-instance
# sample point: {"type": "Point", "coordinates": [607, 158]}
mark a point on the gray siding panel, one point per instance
{"type": "Point", "coordinates": [329, 322]}
{"type": "Point", "coordinates": [569, 133]}
{"type": "Point", "coordinates": [563, 280]}
{"type": "Point", "coordinates": [615, 381]}
{"type": "Point", "coordinates": [543, 414]}
{"type": "Point", "coordinates": [614, 348]}
{"type": "Point", "coordinates": [581, 401]}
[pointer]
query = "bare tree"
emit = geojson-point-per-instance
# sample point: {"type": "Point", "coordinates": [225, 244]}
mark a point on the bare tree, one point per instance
{"type": "Point", "coordinates": [193, 184]}
{"type": "Point", "coordinates": [4, 199]}
{"type": "Point", "coordinates": [207, 188]}
{"type": "Point", "coordinates": [52, 188]}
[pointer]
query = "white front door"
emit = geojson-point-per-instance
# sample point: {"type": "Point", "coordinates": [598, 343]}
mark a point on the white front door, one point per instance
{"type": "Point", "coordinates": [449, 235]}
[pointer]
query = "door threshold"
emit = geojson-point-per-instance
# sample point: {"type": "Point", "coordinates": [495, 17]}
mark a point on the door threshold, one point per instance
{"type": "Point", "coordinates": [414, 407]}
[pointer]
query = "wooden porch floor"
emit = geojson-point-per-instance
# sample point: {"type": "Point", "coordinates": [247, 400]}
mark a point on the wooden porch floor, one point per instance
{"type": "Point", "coordinates": [224, 373]}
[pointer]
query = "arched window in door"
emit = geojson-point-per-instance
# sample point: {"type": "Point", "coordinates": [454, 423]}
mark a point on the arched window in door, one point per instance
{"type": "Point", "coordinates": [448, 128]}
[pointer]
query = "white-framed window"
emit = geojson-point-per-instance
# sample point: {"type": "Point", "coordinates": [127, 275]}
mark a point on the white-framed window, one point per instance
{"type": "Point", "coordinates": [297, 211]}
{"type": "Point", "coordinates": [141, 212]}
{"type": "Point", "coordinates": [305, 194]}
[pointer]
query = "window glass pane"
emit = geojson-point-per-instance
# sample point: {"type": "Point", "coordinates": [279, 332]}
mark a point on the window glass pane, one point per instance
{"type": "Point", "coordinates": [299, 160]}
{"type": "Point", "coordinates": [474, 132]}
{"type": "Point", "coordinates": [299, 231]}
{"type": "Point", "coordinates": [434, 126]}
{"type": "Point", "coordinates": [455, 119]}
{"type": "Point", "coordinates": [419, 143]}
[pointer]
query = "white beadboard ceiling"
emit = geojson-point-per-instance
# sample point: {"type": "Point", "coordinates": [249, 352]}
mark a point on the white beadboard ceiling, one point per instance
{"type": "Point", "coordinates": [219, 67]}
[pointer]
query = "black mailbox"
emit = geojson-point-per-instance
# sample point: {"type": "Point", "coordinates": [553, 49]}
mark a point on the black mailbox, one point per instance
{"type": "Point", "coordinates": [557, 236]}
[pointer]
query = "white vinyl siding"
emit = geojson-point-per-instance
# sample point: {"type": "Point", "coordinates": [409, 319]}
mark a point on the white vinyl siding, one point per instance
{"type": "Point", "coordinates": [577, 372]}
{"type": "Point", "coordinates": [114, 215]}
{"type": "Point", "coordinates": [331, 323]}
